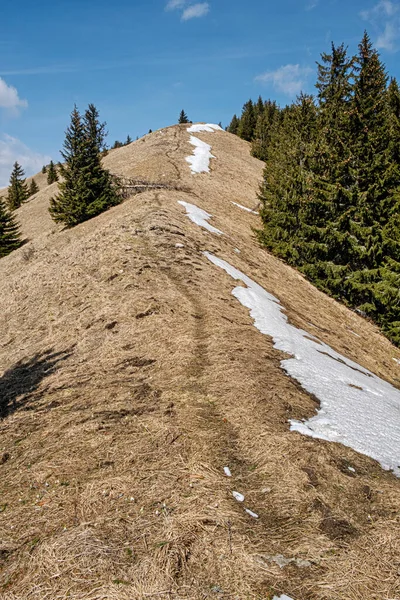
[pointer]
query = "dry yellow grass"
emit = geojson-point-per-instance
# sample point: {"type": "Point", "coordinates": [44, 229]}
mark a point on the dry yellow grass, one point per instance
{"type": "Point", "coordinates": [132, 376]}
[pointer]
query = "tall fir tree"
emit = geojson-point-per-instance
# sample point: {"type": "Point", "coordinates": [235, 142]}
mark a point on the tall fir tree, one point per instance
{"type": "Point", "coordinates": [327, 245]}
{"type": "Point", "coordinates": [33, 188]}
{"type": "Point", "coordinates": [17, 190]}
{"type": "Point", "coordinates": [87, 188]}
{"type": "Point", "coordinates": [248, 121]}
{"type": "Point", "coordinates": [183, 118]}
{"type": "Point", "coordinates": [52, 175]}
{"type": "Point", "coordinates": [233, 125]}
{"type": "Point", "coordinates": [9, 232]}
{"type": "Point", "coordinates": [287, 184]}
{"type": "Point", "coordinates": [262, 131]}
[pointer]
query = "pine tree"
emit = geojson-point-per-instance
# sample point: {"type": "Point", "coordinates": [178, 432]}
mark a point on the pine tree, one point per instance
{"type": "Point", "coordinates": [44, 169]}
{"type": "Point", "coordinates": [331, 206]}
{"type": "Point", "coordinates": [287, 184]}
{"type": "Point", "coordinates": [52, 175]}
{"type": "Point", "coordinates": [9, 233]}
{"type": "Point", "coordinates": [150, 131]}
{"type": "Point", "coordinates": [183, 118]}
{"type": "Point", "coordinates": [128, 140]}
{"type": "Point", "coordinates": [97, 131]}
{"type": "Point", "coordinates": [262, 132]}
{"type": "Point", "coordinates": [18, 190]}
{"type": "Point", "coordinates": [248, 122]}
{"type": "Point", "coordinates": [87, 189]}
{"type": "Point", "coordinates": [33, 188]}
{"type": "Point", "coordinates": [234, 125]}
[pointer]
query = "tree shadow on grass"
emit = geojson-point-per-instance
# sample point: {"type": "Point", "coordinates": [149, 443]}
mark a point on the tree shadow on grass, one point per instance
{"type": "Point", "coordinates": [19, 383]}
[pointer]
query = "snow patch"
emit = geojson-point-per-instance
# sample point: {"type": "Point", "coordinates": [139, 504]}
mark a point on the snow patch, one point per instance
{"type": "Point", "coordinates": [237, 250]}
{"type": "Point", "coordinates": [244, 208]}
{"type": "Point", "coordinates": [239, 497]}
{"type": "Point", "coordinates": [209, 127]}
{"type": "Point", "coordinates": [199, 216]}
{"type": "Point", "coordinates": [227, 472]}
{"type": "Point", "coordinates": [200, 159]}
{"type": "Point", "coordinates": [358, 409]}
{"type": "Point", "coordinates": [282, 598]}
{"type": "Point", "coordinates": [251, 513]}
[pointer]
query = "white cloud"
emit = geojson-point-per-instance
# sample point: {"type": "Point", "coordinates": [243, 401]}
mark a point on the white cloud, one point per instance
{"type": "Point", "coordinates": [194, 11]}
{"type": "Point", "coordinates": [175, 4]}
{"type": "Point", "coordinates": [189, 9]}
{"type": "Point", "coordinates": [385, 18]}
{"type": "Point", "coordinates": [11, 150]}
{"type": "Point", "coordinates": [9, 98]}
{"type": "Point", "coordinates": [289, 79]}
{"type": "Point", "coordinates": [312, 4]}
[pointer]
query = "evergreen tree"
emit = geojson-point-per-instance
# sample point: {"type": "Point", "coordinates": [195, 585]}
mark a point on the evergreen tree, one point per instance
{"type": "Point", "coordinates": [117, 144]}
{"type": "Point", "coordinates": [97, 131]}
{"type": "Point", "coordinates": [44, 169]}
{"type": "Point", "coordinates": [150, 131]}
{"type": "Point", "coordinates": [9, 234]}
{"type": "Point", "coordinates": [326, 216]}
{"type": "Point", "coordinates": [234, 125]}
{"type": "Point", "coordinates": [33, 188]}
{"type": "Point", "coordinates": [287, 184]}
{"type": "Point", "coordinates": [17, 190]}
{"type": "Point", "coordinates": [87, 189]}
{"type": "Point", "coordinates": [262, 132]}
{"type": "Point", "coordinates": [128, 140]}
{"type": "Point", "coordinates": [183, 118]}
{"type": "Point", "coordinates": [52, 175]}
{"type": "Point", "coordinates": [248, 121]}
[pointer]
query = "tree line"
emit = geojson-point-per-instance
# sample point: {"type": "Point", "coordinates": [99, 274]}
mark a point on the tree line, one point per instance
{"type": "Point", "coordinates": [330, 195]}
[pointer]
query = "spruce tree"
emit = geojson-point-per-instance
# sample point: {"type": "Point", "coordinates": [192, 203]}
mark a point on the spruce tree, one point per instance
{"type": "Point", "coordinates": [287, 184]}
{"type": "Point", "coordinates": [248, 121]}
{"type": "Point", "coordinates": [87, 188]}
{"type": "Point", "coordinates": [234, 125]}
{"type": "Point", "coordinates": [262, 132]}
{"type": "Point", "coordinates": [95, 129]}
{"type": "Point", "coordinates": [183, 118]}
{"type": "Point", "coordinates": [327, 245]}
{"type": "Point", "coordinates": [52, 175]}
{"type": "Point", "coordinates": [33, 188]}
{"type": "Point", "coordinates": [17, 190]}
{"type": "Point", "coordinates": [9, 233]}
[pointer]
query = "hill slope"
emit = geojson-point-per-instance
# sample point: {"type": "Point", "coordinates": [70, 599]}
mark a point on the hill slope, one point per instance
{"type": "Point", "coordinates": [132, 377]}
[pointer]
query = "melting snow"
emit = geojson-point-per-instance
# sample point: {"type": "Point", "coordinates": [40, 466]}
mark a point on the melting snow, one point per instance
{"type": "Point", "coordinates": [238, 497]}
{"type": "Point", "coordinates": [199, 216]}
{"type": "Point", "coordinates": [200, 159]}
{"type": "Point", "coordinates": [251, 513]}
{"type": "Point", "coordinates": [244, 208]}
{"type": "Point", "coordinates": [210, 127]}
{"type": "Point", "coordinates": [282, 598]}
{"type": "Point", "coordinates": [227, 472]}
{"type": "Point", "coordinates": [358, 409]}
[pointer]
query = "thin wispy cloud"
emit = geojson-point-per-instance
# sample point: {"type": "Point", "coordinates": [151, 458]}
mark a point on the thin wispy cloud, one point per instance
{"type": "Point", "coordinates": [188, 8]}
{"type": "Point", "coordinates": [385, 18]}
{"type": "Point", "coordinates": [312, 4]}
{"type": "Point", "coordinates": [288, 79]}
{"type": "Point", "coordinates": [200, 9]}
{"type": "Point", "coordinates": [9, 98]}
{"type": "Point", "coordinates": [12, 149]}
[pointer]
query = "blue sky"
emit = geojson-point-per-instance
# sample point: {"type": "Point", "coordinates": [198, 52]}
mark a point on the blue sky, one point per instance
{"type": "Point", "coordinates": [141, 61]}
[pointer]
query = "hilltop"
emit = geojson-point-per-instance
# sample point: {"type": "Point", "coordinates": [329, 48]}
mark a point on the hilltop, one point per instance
{"type": "Point", "coordinates": [137, 395]}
